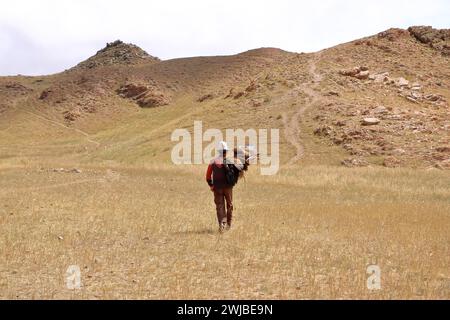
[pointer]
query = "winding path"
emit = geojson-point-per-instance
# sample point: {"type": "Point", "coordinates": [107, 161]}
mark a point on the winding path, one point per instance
{"type": "Point", "coordinates": [291, 126]}
{"type": "Point", "coordinates": [14, 107]}
{"type": "Point", "coordinates": [64, 126]}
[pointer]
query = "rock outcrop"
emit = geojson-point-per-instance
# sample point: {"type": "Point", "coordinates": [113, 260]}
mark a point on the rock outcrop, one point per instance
{"type": "Point", "coordinates": [438, 39]}
{"type": "Point", "coordinates": [117, 53]}
{"type": "Point", "coordinates": [144, 95]}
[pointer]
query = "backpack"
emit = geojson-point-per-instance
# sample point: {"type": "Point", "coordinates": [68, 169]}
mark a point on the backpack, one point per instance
{"type": "Point", "coordinates": [231, 174]}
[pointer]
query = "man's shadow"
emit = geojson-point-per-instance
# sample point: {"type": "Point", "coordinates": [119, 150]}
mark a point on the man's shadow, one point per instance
{"type": "Point", "coordinates": [204, 231]}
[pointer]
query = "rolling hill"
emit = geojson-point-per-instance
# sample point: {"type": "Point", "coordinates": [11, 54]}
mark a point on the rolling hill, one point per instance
{"type": "Point", "coordinates": [86, 177]}
{"type": "Point", "coordinates": [122, 95]}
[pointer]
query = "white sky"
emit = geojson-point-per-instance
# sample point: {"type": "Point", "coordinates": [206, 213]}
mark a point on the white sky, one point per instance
{"type": "Point", "coordinates": [47, 36]}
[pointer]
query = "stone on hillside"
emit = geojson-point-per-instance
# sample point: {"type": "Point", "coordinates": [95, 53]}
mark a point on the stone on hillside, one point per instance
{"type": "Point", "coordinates": [389, 80]}
{"type": "Point", "coordinates": [131, 90]}
{"type": "Point", "coordinates": [363, 75]}
{"type": "Point", "coordinates": [414, 97]}
{"type": "Point", "coordinates": [323, 131]}
{"type": "Point", "coordinates": [354, 162]}
{"type": "Point", "coordinates": [432, 97]}
{"type": "Point", "coordinates": [370, 121]}
{"type": "Point", "coordinates": [72, 115]}
{"type": "Point", "coordinates": [145, 96]}
{"type": "Point", "coordinates": [380, 110]}
{"type": "Point", "coordinates": [401, 82]}
{"type": "Point", "coordinates": [350, 73]}
{"type": "Point", "coordinates": [416, 86]}
{"type": "Point", "coordinates": [379, 77]}
{"type": "Point", "coordinates": [153, 99]}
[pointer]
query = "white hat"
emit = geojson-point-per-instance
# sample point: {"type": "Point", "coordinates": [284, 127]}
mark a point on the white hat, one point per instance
{"type": "Point", "coordinates": [223, 146]}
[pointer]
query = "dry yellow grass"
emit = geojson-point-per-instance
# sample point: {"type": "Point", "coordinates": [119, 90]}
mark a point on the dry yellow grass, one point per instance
{"type": "Point", "coordinates": [140, 227]}
{"type": "Point", "coordinates": [150, 232]}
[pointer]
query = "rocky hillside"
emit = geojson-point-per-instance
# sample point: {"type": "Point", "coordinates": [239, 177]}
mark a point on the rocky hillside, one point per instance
{"type": "Point", "coordinates": [118, 53]}
{"type": "Point", "coordinates": [389, 98]}
{"type": "Point", "coordinates": [381, 100]}
{"type": "Point", "coordinates": [437, 39]}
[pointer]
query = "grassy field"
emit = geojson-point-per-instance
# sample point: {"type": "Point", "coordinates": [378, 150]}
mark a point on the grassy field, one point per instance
{"type": "Point", "coordinates": [150, 232]}
{"type": "Point", "coordinates": [140, 227]}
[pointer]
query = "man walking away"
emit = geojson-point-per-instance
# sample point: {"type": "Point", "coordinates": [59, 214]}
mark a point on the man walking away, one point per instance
{"type": "Point", "coordinates": [221, 178]}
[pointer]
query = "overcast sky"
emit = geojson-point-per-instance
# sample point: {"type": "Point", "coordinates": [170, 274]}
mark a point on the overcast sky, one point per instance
{"type": "Point", "coordinates": [48, 36]}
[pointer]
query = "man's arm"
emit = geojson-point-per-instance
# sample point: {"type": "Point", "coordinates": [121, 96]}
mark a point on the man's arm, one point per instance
{"type": "Point", "coordinates": [209, 175]}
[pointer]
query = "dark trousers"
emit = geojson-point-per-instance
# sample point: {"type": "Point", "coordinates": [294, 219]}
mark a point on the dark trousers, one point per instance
{"type": "Point", "coordinates": [222, 196]}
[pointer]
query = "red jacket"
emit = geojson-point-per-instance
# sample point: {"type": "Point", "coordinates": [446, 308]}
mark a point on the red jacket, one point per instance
{"type": "Point", "coordinates": [215, 175]}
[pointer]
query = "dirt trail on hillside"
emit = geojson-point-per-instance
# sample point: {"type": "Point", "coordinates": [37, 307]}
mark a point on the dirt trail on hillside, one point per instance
{"type": "Point", "coordinates": [15, 108]}
{"type": "Point", "coordinates": [292, 129]}
{"type": "Point", "coordinates": [66, 127]}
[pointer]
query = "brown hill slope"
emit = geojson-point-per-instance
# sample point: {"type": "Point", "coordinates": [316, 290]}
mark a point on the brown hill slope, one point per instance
{"type": "Point", "coordinates": [118, 53]}
{"type": "Point", "coordinates": [378, 100]}
{"type": "Point", "coordinates": [405, 87]}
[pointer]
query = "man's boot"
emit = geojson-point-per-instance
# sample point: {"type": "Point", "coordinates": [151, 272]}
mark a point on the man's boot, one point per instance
{"type": "Point", "coordinates": [222, 227]}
